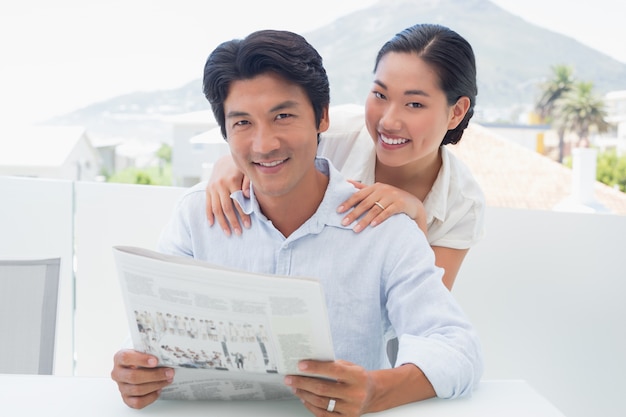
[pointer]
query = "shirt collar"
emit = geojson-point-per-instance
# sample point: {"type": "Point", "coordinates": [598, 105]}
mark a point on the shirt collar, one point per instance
{"type": "Point", "coordinates": [338, 190]}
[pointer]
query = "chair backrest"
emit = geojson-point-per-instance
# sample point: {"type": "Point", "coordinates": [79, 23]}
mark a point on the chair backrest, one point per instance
{"type": "Point", "coordinates": [28, 312]}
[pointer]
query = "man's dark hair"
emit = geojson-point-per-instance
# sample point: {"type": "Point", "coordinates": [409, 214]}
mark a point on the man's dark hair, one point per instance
{"type": "Point", "coordinates": [281, 52]}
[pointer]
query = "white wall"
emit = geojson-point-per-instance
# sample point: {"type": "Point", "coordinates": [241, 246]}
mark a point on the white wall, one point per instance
{"type": "Point", "coordinates": [524, 135]}
{"type": "Point", "coordinates": [36, 223]}
{"type": "Point", "coordinates": [109, 215]}
{"type": "Point", "coordinates": [547, 292]}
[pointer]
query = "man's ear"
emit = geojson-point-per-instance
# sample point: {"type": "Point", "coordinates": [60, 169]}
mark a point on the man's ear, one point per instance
{"type": "Point", "coordinates": [458, 112]}
{"type": "Point", "coordinates": [324, 121]}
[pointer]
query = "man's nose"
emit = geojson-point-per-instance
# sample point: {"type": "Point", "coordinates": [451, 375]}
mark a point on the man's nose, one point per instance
{"type": "Point", "coordinates": [264, 140]}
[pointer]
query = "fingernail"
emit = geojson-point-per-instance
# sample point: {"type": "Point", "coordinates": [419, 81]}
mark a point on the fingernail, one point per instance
{"type": "Point", "coordinates": [246, 224]}
{"type": "Point", "coordinates": [169, 373]}
{"type": "Point", "coordinates": [152, 362]}
{"type": "Point", "coordinates": [237, 231]}
{"type": "Point", "coordinates": [303, 366]}
{"type": "Point", "coordinates": [288, 380]}
{"type": "Point", "coordinates": [345, 221]}
{"type": "Point", "coordinates": [340, 209]}
{"type": "Point", "coordinates": [357, 228]}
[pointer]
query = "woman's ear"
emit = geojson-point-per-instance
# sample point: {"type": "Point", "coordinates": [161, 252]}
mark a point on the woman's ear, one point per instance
{"type": "Point", "coordinates": [458, 112]}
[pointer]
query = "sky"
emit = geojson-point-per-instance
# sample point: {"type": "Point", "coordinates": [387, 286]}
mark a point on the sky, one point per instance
{"type": "Point", "coordinates": [57, 56]}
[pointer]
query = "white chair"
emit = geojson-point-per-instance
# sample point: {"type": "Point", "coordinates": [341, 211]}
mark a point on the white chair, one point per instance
{"type": "Point", "coordinates": [28, 313]}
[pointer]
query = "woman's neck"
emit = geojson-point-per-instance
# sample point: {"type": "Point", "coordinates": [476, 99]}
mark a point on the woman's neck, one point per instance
{"type": "Point", "coordinates": [416, 177]}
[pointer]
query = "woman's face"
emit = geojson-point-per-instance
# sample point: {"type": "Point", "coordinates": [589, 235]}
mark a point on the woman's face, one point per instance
{"type": "Point", "coordinates": [407, 113]}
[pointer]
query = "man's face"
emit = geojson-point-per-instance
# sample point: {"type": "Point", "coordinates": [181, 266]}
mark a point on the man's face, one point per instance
{"type": "Point", "coordinates": [270, 126]}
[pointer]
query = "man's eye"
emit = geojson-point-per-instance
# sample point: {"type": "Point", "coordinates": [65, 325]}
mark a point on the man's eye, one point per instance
{"type": "Point", "coordinates": [283, 116]}
{"type": "Point", "coordinates": [379, 95]}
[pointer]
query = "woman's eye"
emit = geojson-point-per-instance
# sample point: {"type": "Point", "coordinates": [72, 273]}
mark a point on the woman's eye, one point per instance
{"type": "Point", "coordinates": [415, 105]}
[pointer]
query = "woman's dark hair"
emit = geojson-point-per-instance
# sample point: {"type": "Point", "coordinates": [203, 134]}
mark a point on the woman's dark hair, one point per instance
{"type": "Point", "coordinates": [281, 52]}
{"type": "Point", "coordinates": [452, 58]}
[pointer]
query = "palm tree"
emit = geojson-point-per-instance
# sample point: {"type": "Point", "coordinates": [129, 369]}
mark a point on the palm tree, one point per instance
{"type": "Point", "coordinates": [551, 91]}
{"type": "Point", "coordinates": [578, 110]}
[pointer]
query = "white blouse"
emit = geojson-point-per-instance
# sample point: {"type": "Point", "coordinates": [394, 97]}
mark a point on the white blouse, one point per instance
{"type": "Point", "coordinates": [455, 206]}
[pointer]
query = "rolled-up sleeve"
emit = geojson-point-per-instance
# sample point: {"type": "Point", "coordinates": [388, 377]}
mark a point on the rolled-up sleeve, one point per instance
{"type": "Point", "coordinates": [433, 331]}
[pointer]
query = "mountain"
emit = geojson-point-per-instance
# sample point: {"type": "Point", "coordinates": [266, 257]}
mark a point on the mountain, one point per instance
{"type": "Point", "coordinates": [137, 115]}
{"type": "Point", "coordinates": [512, 55]}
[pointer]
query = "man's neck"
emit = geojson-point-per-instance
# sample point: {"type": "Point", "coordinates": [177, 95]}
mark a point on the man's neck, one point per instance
{"type": "Point", "coordinates": [291, 211]}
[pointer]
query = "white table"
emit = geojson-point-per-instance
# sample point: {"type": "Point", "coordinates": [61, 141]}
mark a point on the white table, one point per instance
{"type": "Point", "coordinates": [45, 395]}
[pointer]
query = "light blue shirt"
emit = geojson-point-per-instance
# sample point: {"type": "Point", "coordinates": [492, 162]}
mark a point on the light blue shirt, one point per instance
{"type": "Point", "coordinates": [377, 283]}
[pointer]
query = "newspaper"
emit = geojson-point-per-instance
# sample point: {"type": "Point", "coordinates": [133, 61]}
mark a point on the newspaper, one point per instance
{"type": "Point", "coordinates": [231, 335]}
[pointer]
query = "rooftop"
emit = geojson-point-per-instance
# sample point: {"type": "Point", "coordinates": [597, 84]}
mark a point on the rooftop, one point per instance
{"type": "Point", "coordinates": [515, 177]}
{"type": "Point", "coordinates": [38, 145]}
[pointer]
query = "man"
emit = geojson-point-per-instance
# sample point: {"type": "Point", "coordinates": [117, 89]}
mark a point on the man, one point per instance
{"type": "Point", "coordinates": [269, 93]}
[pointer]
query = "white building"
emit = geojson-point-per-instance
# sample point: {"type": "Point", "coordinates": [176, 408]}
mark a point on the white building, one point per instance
{"type": "Point", "coordinates": [616, 115]}
{"type": "Point", "coordinates": [616, 109]}
{"type": "Point", "coordinates": [210, 145]}
{"type": "Point", "coordinates": [62, 152]}
{"type": "Point", "coordinates": [529, 136]}
{"type": "Point", "coordinates": [188, 157]}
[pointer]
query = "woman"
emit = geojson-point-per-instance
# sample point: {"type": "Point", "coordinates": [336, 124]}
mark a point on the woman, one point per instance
{"type": "Point", "coordinates": [422, 98]}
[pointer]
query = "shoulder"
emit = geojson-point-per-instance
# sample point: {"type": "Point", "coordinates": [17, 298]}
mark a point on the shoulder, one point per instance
{"type": "Point", "coordinates": [461, 180]}
{"type": "Point", "coordinates": [194, 192]}
{"type": "Point", "coordinates": [458, 213]}
{"type": "Point", "coordinates": [401, 248]}
{"type": "Point", "coordinates": [192, 199]}
{"type": "Point", "coordinates": [402, 232]}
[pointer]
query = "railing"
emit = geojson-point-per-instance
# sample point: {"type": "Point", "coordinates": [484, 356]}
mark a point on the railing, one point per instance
{"type": "Point", "coordinates": [545, 289]}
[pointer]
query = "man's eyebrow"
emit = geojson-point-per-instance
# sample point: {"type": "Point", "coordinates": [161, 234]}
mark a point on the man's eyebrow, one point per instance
{"type": "Point", "coordinates": [281, 106]}
{"type": "Point", "coordinates": [407, 92]}
{"type": "Point", "coordinates": [235, 113]}
{"type": "Point", "coordinates": [284, 105]}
